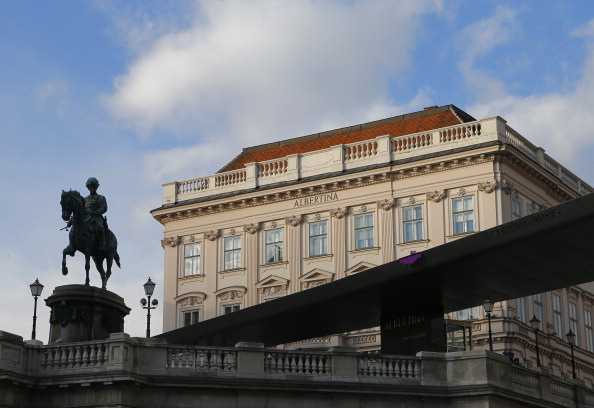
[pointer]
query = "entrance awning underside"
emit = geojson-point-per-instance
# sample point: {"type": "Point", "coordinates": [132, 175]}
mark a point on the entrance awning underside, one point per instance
{"type": "Point", "coordinates": [548, 250]}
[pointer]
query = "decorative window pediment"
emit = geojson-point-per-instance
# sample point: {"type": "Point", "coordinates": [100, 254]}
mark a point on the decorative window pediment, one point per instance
{"type": "Point", "coordinates": [272, 286]}
{"type": "Point", "coordinates": [315, 277]}
{"type": "Point", "coordinates": [191, 299]}
{"type": "Point", "coordinates": [231, 292]}
{"type": "Point", "coordinates": [360, 267]}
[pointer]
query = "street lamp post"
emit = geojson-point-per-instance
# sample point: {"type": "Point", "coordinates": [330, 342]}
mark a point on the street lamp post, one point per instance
{"type": "Point", "coordinates": [36, 289]}
{"type": "Point", "coordinates": [571, 341]}
{"type": "Point", "coordinates": [535, 324]}
{"type": "Point", "coordinates": [488, 306]}
{"type": "Point", "coordinates": [149, 288]}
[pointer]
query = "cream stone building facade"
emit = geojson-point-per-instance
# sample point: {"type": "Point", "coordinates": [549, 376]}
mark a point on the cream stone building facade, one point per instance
{"type": "Point", "coordinates": [295, 214]}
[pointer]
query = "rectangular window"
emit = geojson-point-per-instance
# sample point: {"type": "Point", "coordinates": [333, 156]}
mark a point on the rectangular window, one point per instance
{"type": "Point", "coordinates": [538, 308]}
{"type": "Point", "coordinates": [412, 223]}
{"type": "Point", "coordinates": [467, 314]}
{"type": "Point", "coordinates": [516, 209]}
{"type": "Point", "coordinates": [521, 309]}
{"type": "Point", "coordinates": [364, 231]}
{"type": "Point", "coordinates": [573, 323]}
{"type": "Point", "coordinates": [192, 259]}
{"type": "Point", "coordinates": [589, 331]}
{"type": "Point", "coordinates": [274, 245]}
{"type": "Point", "coordinates": [318, 238]}
{"type": "Point", "coordinates": [463, 214]}
{"type": "Point", "coordinates": [557, 315]}
{"type": "Point", "coordinates": [191, 317]}
{"type": "Point", "coordinates": [232, 252]}
{"type": "Point", "coordinates": [230, 308]}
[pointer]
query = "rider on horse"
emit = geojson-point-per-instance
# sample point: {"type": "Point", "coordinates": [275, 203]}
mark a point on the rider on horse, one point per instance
{"type": "Point", "coordinates": [96, 206]}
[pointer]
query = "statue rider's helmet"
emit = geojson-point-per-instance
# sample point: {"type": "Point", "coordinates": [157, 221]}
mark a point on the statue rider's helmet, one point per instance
{"type": "Point", "coordinates": [92, 181]}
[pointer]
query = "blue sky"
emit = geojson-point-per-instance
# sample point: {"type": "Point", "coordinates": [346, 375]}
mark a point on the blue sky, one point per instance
{"type": "Point", "coordinates": [139, 93]}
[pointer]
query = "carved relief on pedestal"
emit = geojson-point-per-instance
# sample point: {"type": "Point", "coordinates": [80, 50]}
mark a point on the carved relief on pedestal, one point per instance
{"type": "Point", "coordinates": [171, 241]}
{"type": "Point", "coordinates": [338, 213]}
{"type": "Point", "coordinates": [436, 196]}
{"type": "Point", "coordinates": [487, 186]}
{"type": "Point", "coordinates": [211, 235]}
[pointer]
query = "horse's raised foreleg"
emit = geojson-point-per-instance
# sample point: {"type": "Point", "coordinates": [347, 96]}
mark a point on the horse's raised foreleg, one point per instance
{"type": "Point", "coordinates": [69, 250]}
{"type": "Point", "coordinates": [87, 268]}
{"type": "Point", "coordinates": [99, 265]}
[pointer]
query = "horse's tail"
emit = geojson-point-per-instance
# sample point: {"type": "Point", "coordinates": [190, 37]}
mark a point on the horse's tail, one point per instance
{"type": "Point", "coordinates": [116, 258]}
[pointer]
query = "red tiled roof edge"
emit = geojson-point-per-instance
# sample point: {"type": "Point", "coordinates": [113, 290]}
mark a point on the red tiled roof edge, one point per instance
{"type": "Point", "coordinates": [430, 118]}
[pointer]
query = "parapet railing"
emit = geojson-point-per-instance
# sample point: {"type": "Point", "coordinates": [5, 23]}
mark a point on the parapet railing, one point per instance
{"type": "Point", "coordinates": [381, 150]}
{"type": "Point", "coordinates": [121, 358]}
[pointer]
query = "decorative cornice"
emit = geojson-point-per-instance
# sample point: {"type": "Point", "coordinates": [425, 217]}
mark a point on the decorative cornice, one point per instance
{"type": "Point", "coordinates": [540, 175]}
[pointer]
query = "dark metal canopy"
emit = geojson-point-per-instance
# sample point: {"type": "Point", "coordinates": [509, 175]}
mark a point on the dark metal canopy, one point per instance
{"type": "Point", "coordinates": [548, 250]}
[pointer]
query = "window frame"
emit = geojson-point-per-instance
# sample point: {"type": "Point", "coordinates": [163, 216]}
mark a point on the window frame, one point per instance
{"type": "Point", "coordinates": [573, 321]}
{"type": "Point", "coordinates": [538, 307]}
{"type": "Point", "coordinates": [369, 240]}
{"type": "Point", "coordinates": [413, 221]}
{"type": "Point", "coordinates": [323, 237]}
{"type": "Point", "coordinates": [558, 315]}
{"type": "Point", "coordinates": [193, 258]}
{"type": "Point", "coordinates": [589, 330]}
{"type": "Point", "coordinates": [465, 211]}
{"type": "Point", "coordinates": [278, 244]}
{"type": "Point", "coordinates": [230, 305]}
{"type": "Point", "coordinates": [235, 261]}
{"type": "Point", "coordinates": [516, 209]}
{"type": "Point", "coordinates": [191, 313]}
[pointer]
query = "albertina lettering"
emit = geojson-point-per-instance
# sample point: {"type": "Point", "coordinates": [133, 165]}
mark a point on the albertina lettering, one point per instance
{"type": "Point", "coordinates": [319, 199]}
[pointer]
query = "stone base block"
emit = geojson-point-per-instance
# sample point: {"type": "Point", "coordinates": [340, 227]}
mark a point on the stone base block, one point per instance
{"type": "Point", "coordinates": [84, 313]}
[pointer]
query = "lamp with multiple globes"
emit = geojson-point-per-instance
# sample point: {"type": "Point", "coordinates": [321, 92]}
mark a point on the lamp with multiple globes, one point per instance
{"type": "Point", "coordinates": [149, 288]}
{"type": "Point", "coordinates": [571, 341]}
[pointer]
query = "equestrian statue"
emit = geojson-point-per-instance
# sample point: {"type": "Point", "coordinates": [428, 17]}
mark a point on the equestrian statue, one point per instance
{"type": "Point", "coordinates": [89, 233]}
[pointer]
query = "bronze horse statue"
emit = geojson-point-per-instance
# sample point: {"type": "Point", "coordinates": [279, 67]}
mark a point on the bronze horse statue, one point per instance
{"type": "Point", "coordinates": [85, 237]}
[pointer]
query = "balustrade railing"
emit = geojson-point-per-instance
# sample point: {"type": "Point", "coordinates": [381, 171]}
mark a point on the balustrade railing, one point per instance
{"type": "Point", "coordinates": [273, 168]}
{"type": "Point", "coordinates": [562, 391]}
{"type": "Point", "coordinates": [74, 355]}
{"type": "Point", "coordinates": [373, 151]}
{"type": "Point", "coordinates": [524, 378]}
{"type": "Point", "coordinates": [384, 366]}
{"type": "Point", "coordinates": [360, 150]}
{"type": "Point", "coordinates": [297, 362]}
{"type": "Point", "coordinates": [202, 359]}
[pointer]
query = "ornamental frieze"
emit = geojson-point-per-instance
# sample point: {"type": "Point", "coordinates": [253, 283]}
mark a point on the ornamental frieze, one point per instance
{"type": "Point", "coordinates": [313, 284]}
{"type": "Point", "coordinates": [191, 301]}
{"type": "Point", "coordinates": [233, 294]}
{"type": "Point", "coordinates": [273, 290]}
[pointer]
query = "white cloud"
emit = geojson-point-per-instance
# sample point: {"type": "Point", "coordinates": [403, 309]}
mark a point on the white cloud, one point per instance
{"type": "Point", "coordinates": [259, 71]}
{"type": "Point", "coordinates": [560, 122]}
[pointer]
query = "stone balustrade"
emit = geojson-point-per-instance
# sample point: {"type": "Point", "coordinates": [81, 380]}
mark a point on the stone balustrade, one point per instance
{"type": "Point", "coordinates": [379, 151]}
{"type": "Point", "coordinates": [121, 359]}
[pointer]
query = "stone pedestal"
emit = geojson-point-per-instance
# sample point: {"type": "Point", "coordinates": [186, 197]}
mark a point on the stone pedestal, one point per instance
{"type": "Point", "coordinates": [84, 313]}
